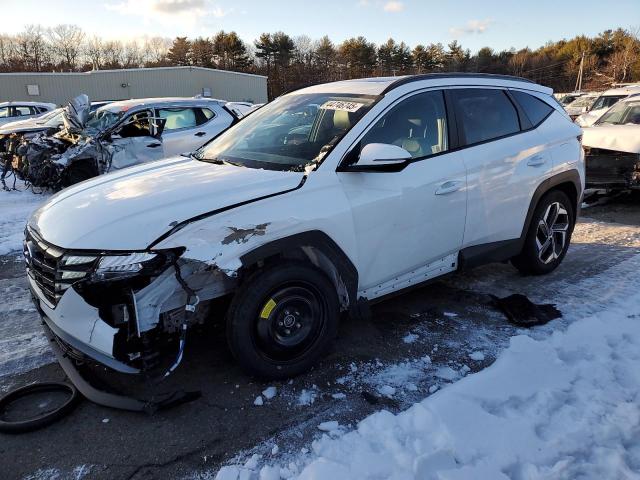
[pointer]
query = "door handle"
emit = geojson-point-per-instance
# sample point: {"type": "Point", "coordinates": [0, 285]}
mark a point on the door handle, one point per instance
{"type": "Point", "coordinates": [449, 187]}
{"type": "Point", "coordinates": [200, 134]}
{"type": "Point", "coordinates": [154, 145]}
{"type": "Point", "coordinates": [536, 161]}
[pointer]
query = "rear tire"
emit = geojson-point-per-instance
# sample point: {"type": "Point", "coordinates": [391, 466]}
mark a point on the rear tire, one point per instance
{"type": "Point", "coordinates": [282, 320]}
{"type": "Point", "coordinates": [549, 235]}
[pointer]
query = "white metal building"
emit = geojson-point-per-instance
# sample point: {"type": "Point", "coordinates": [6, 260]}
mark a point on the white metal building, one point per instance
{"type": "Point", "coordinates": [59, 88]}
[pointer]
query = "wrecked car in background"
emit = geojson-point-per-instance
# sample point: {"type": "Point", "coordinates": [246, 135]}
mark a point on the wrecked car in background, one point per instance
{"type": "Point", "coordinates": [612, 147]}
{"type": "Point", "coordinates": [580, 105]}
{"type": "Point", "coordinates": [13, 134]}
{"type": "Point", "coordinates": [118, 135]}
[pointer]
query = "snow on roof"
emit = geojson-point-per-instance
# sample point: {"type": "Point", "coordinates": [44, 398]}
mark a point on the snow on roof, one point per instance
{"type": "Point", "coordinates": [627, 90]}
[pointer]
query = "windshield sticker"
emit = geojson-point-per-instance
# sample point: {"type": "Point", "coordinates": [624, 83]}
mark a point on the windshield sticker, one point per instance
{"type": "Point", "coordinates": [342, 106]}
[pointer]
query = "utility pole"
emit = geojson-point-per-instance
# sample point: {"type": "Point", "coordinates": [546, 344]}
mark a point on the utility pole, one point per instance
{"type": "Point", "coordinates": [579, 79]}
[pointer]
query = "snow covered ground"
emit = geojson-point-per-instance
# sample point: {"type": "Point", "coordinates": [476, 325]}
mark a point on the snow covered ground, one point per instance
{"type": "Point", "coordinates": [563, 407]}
{"type": "Point", "coordinates": [15, 208]}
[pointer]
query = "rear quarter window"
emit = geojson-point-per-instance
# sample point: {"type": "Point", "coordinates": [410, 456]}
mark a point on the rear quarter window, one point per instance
{"type": "Point", "coordinates": [534, 108]}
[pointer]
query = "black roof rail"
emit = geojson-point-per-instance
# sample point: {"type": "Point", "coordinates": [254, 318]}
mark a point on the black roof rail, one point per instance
{"type": "Point", "coordinates": [434, 76]}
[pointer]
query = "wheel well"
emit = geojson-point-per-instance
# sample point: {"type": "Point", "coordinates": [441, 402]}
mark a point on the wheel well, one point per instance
{"type": "Point", "coordinates": [315, 248]}
{"type": "Point", "coordinates": [569, 189]}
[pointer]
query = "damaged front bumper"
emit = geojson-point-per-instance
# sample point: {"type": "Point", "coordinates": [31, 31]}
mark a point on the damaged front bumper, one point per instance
{"type": "Point", "coordinates": [611, 169]}
{"type": "Point", "coordinates": [125, 322]}
{"type": "Point", "coordinates": [71, 331]}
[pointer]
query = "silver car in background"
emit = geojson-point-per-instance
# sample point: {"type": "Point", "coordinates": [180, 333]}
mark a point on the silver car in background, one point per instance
{"type": "Point", "coordinates": [13, 111]}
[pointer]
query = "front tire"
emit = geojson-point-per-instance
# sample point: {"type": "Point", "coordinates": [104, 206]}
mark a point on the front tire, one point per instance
{"type": "Point", "coordinates": [282, 320]}
{"type": "Point", "coordinates": [549, 235]}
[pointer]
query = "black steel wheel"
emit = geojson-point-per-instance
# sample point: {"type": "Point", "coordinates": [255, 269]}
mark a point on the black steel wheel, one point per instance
{"type": "Point", "coordinates": [282, 319]}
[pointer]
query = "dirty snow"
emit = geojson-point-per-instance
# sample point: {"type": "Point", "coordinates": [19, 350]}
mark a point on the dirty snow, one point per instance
{"type": "Point", "coordinates": [16, 207]}
{"type": "Point", "coordinates": [477, 356]}
{"type": "Point", "coordinates": [564, 406]}
{"type": "Point", "coordinates": [307, 397]}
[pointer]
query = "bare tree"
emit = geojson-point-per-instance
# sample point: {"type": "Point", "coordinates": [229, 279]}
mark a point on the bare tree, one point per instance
{"type": "Point", "coordinates": [132, 55]}
{"type": "Point", "coordinates": [112, 54]}
{"type": "Point", "coordinates": [66, 44]}
{"type": "Point", "coordinates": [94, 51]}
{"type": "Point", "coordinates": [33, 48]}
{"type": "Point", "coordinates": [156, 49]}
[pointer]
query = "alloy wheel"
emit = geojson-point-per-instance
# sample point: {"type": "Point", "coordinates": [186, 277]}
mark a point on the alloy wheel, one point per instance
{"type": "Point", "coordinates": [551, 236]}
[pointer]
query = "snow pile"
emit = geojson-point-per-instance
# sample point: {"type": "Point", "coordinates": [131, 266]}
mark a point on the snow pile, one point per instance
{"type": "Point", "coordinates": [566, 406]}
{"type": "Point", "coordinates": [16, 207]}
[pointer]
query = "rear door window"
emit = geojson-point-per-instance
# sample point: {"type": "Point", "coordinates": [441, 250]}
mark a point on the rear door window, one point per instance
{"type": "Point", "coordinates": [534, 108]}
{"type": "Point", "coordinates": [484, 114]}
{"type": "Point", "coordinates": [4, 112]}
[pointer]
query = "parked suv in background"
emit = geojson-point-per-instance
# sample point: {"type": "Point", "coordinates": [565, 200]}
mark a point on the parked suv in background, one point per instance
{"type": "Point", "coordinates": [380, 184]}
{"type": "Point", "coordinates": [13, 111]}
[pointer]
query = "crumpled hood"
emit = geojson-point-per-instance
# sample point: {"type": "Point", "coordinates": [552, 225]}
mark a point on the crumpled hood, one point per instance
{"type": "Point", "coordinates": [129, 209]}
{"type": "Point", "coordinates": [622, 138]}
{"type": "Point", "coordinates": [76, 113]}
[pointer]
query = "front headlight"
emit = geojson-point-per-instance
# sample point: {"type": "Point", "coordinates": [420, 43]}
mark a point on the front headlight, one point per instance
{"type": "Point", "coordinates": [121, 266]}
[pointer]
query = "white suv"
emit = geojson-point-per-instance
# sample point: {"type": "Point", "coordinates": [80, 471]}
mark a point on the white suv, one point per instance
{"type": "Point", "coordinates": [322, 200]}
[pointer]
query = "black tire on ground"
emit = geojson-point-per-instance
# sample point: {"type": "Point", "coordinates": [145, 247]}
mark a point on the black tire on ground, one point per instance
{"type": "Point", "coordinates": [535, 258]}
{"type": "Point", "coordinates": [78, 172]}
{"type": "Point", "coordinates": [47, 418]}
{"type": "Point", "coordinates": [282, 319]}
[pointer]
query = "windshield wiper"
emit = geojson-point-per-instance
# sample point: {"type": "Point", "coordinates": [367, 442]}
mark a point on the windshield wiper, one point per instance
{"type": "Point", "coordinates": [215, 161]}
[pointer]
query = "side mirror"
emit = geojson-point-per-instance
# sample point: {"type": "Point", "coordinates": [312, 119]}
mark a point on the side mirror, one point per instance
{"type": "Point", "coordinates": [379, 154]}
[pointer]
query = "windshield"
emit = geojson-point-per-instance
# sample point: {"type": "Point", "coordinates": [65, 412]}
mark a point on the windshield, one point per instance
{"type": "Point", "coordinates": [606, 101]}
{"type": "Point", "coordinates": [289, 133]}
{"type": "Point", "coordinates": [103, 118]}
{"type": "Point", "coordinates": [567, 99]}
{"type": "Point", "coordinates": [582, 102]}
{"type": "Point", "coordinates": [623, 113]}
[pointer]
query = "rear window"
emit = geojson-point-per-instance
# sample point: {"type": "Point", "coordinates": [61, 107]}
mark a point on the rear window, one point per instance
{"type": "Point", "coordinates": [535, 109]}
{"type": "Point", "coordinates": [485, 114]}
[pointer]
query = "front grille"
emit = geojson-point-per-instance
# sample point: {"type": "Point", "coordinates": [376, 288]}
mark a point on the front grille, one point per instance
{"type": "Point", "coordinates": [45, 266]}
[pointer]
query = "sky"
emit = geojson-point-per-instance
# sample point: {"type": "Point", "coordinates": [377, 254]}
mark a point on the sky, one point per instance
{"type": "Point", "coordinates": [500, 24]}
